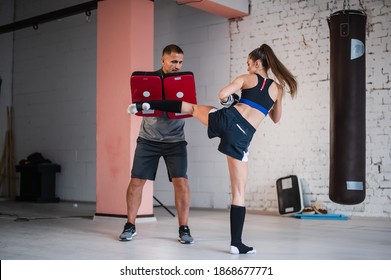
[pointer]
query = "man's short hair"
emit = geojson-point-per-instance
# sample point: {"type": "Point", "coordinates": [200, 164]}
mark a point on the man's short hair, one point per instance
{"type": "Point", "coordinates": [172, 48]}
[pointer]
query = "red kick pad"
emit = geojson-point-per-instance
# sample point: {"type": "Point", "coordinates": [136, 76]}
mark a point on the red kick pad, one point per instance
{"type": "Point", "coordinates": [180, 86]}
{"type": "Point", "coordinates": [146, 86]}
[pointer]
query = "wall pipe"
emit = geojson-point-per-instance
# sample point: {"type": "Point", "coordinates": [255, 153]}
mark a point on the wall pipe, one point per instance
{"type": "Point", "coordinates": [51, 16]}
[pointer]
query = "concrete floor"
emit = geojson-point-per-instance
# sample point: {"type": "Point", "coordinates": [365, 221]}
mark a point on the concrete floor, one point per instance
{"type": "Point", "coordinates": [60, 231]}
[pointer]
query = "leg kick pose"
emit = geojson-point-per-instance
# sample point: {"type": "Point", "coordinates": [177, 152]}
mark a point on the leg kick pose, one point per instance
{"type": "Point", "coordinates": [236, 123]}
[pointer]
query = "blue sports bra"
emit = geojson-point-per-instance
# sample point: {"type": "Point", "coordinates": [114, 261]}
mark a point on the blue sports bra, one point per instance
{"type": "Point", "coordinates": [258, 97]}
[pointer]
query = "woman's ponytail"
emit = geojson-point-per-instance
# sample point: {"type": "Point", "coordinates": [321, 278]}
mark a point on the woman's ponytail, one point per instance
{"type": "Point", "coordinates": [270, 61]}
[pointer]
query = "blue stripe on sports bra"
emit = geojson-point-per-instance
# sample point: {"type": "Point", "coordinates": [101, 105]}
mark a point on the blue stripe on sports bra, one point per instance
{"type": "Point", "coordinates": [254, 105]}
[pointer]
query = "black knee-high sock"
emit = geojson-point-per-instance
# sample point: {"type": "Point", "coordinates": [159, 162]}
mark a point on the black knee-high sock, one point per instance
{"type": "Point", "coordinates": [237, 216]}
{"type": "Point", "coordinates": [174, 106]}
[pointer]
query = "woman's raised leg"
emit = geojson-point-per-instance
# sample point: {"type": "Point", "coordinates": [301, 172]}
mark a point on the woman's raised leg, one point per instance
{"type": "Point", "coordinates": [200, 112]}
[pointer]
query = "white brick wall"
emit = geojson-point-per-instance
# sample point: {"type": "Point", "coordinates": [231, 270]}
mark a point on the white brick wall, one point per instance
{"type": "Point", "coordinates": [299, 144]}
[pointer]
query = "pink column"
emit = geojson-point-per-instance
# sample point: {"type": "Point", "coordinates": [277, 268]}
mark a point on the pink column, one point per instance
{"type": "Point", "coordinates": [125, 44]}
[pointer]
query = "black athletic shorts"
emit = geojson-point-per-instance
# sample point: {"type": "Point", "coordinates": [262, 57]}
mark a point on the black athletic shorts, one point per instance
{"type": "Point", "coordinates": [148, 153]}
{"type": "Point", "coordinates": [234, 131]}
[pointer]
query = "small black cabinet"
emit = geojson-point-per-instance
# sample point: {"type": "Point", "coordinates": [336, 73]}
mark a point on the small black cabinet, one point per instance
{"type": "Point", "coordinates": [38, 182]}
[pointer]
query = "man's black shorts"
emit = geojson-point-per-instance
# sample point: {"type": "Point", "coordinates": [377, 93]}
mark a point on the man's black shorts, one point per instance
{"type": "Point", "coordinates": [148, 153]}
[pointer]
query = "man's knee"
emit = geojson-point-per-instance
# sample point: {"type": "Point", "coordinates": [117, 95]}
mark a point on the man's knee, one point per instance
{"type": "Point", "coordinates": [180, 183]}
{"type": "Point", "coordinates": [136, 184]}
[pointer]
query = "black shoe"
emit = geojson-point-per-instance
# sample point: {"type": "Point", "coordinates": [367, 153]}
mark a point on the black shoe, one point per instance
{"type": "Point", "coordinates": [128, 233]}
{"type": "Point", "coordinates": [185, 236]}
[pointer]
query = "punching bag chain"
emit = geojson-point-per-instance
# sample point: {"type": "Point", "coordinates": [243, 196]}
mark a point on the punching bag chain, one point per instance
{"type": "Point", "coordinates": [334, 6]}
{"type": "Point", "coordinates": [346, 6]}
{"type": "Point", "coordinates": [362, 6]}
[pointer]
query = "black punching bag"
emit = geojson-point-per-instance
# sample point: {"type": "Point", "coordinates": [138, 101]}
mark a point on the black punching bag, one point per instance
{"type": "Point", "coordinates": [347, 106]}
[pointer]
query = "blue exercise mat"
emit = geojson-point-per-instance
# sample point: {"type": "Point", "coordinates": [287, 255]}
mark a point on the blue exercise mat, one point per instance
{"type": "Point", "coordinates": [320, 216]}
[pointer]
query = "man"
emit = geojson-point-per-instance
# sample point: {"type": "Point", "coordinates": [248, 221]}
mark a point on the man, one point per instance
{"type": "Point", "coordinates": [161, 137]}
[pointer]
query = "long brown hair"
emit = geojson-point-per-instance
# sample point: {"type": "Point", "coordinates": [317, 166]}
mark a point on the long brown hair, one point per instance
{"type": "Point", "coordinates": [270, 61]}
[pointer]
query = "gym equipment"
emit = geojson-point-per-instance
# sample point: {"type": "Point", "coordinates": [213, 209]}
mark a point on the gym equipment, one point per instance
{"type": "Point", "coordinates": [290, 197]}
{"type": "Point", "coordinates": [179, 86]}
{"type": "Point", "coordinates": [146, 86]}
{"type": "Point", "coordinates": [231, 100]}
{"type": "Point", "coordinates": [162, 205]}
{"type": "Point", "coordinates": [320, 216]}
{"type": "Point", "coordinates": [173, 86]}
{"type": "Point", "coordinates": [347, 106]}
{"type": "Point", "coordinates": [37, 179]}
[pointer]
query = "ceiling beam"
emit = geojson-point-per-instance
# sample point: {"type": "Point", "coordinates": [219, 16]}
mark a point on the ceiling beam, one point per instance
{"type": "Point", "coordinates": [224, 8]}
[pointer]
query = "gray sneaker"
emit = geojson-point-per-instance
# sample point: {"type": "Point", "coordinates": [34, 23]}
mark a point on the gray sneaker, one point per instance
{"type": "Point", "coordinates": [184, 235]}
{"type": "Point", "coordinates": [128, 233]}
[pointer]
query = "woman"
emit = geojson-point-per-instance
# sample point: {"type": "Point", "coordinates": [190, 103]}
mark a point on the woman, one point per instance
{"type": "Point", "coordinates": [236, 124]}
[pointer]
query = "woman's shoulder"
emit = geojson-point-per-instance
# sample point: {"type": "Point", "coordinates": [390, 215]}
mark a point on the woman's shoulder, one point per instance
{"type": "Point", "coordinates": [275, 90]}
{"type": "Point", "coordinates": [244, 76]}
{"type": "Point", "coordinates": [248, 80]}
{"type": "Point", "coordinates": [275, 84]}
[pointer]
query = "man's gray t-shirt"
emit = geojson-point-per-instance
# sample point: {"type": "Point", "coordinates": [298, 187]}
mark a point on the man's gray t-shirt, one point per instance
{"type": "Point", "coordinates": [162, 129]}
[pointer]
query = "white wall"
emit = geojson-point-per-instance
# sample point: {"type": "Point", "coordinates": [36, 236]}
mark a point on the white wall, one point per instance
{"type": "Point", "coordinates": [54, 89]}
{"type": "Point", "coordinates": [204, 39]}
{"type": "Point", "coordinates": [6, 57]}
